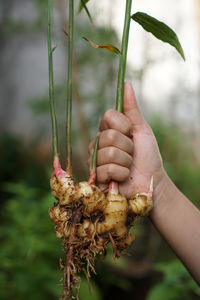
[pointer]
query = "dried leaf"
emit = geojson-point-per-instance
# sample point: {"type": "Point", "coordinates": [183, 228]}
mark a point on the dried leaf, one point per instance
{"type": "Point", "coordinates": [159, 29]}
{"type": "Point", "coordinates": [108, 47]}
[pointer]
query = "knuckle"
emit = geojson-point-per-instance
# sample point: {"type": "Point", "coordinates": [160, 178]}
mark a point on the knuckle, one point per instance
{"type": "Point", "coordinates": [112, 135]}
{"type": "Point", "coordinates": [108, 114]}
{"type": "Point", "coordinates": [111, 152]}
{"type": "Point", "coordinates": [110, 171]}
{"type": "Point", "coordinates": [102, 174]}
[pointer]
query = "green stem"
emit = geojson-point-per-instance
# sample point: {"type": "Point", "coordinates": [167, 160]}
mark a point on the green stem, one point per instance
{"type": "Point", "coordinates": [92, 178]}
{"type": "Point", "coordinates": [94, 155]}
{"type": "Point", "coordinates": [123, 56]}
{"type": "Point", "coordinates": [51, 86]}
{"type": "Point", "coordinates": [113, 186]}
{"type": "Point", "coordinates": [69, 90]}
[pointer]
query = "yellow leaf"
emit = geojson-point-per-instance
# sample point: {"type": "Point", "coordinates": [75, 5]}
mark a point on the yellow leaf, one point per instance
{"type": "Point", "coordinates": [108, 47]}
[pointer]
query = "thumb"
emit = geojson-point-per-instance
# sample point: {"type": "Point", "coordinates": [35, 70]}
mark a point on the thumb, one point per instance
{"type": "Point", "coordinates": [130, 106]}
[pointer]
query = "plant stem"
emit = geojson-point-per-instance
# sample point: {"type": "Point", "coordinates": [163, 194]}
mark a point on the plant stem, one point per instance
{"type": "Point", "coordinates": [92, 177]}
{"type": "Point", "coordinates": [51, 86]}
{"type": "Point", "coordinates": [94, 156]}
{"type": "Point", "coordinates": [113, 186]}
{"type": "Point", "coordinates": [123, 56]}
{"type": "Point", "coordinates": [69, 90]}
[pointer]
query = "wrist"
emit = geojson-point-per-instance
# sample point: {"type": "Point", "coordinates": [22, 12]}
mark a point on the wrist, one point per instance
{"type": "Point", "coordinates": [162, 186]}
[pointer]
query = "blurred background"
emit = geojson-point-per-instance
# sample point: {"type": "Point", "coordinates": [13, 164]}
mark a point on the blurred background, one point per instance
{"type": "Point", "coordinates": [168, 91]}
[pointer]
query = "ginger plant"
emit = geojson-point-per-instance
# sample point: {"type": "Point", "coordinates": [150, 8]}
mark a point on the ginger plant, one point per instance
{"type": "Point", "coordinates": [86, 218]}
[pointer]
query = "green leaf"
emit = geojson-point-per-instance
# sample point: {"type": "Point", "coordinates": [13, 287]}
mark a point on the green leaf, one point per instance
{"type": "Point", "coordinates": [159, 29]}
{"type": "Point", "coordinates": [108, 47]}
{"type": "Point", "coordinates": [83, 5]}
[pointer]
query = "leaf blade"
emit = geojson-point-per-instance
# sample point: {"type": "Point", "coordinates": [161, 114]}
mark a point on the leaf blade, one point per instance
{"type": "Point", "coordinates": [159, 29]}
{"type": "Point", "coordinates": [83, 5]}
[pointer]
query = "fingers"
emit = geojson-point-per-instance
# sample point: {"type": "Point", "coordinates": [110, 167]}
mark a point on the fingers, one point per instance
{"type": "Point", "coordinates": [131, 109]}
{"type": "Point", "coordinates": [115, 147]}
{"type": "Point", "coordinates": [112, 137]}
{"type": "Point", "coordinates": [113, 119]}
{"type": "Point", "coordinates": [113, 155]}
{"type": "Point", "coordinates": [106, 173]}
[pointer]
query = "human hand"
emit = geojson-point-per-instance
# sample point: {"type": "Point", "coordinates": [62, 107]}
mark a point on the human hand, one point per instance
{"type": "Point", "coordinates": [128, 151]}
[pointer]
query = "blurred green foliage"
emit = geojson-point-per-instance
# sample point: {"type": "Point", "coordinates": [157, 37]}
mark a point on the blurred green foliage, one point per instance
{"type": "Point", "coordinates": [178, 157]}
{"type": "Point", "coordinates": [176, 284]}
{"type": "Point", "coordinates": [29, 247]}
{"type": "Point", "coordinates": [30, 252]}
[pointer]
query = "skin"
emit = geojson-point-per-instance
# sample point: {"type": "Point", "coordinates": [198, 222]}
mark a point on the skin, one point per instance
{"type": "Point", "coordinates": [128, 153]}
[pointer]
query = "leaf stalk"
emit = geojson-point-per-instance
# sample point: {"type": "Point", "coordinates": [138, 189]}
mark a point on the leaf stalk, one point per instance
{"type": "Point", "coordinates": [123, 56]}
{"type": "Point", "coordinates": [113, 186]}
{"type": "Point", "coordinates": [94, 156]}
{"type": "Point", "coordinates": [93, 174]}
{"type": "Point", "coordinates": [51, 85]}
{"type": "Point", "coordinates": [69, 90]}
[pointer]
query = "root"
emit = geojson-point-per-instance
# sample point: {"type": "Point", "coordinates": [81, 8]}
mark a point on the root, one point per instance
{"type": "Point", "coordinates": [88, 280]}
{"type": "Point", "coordinates": [116, 255]}
{"type": "Point", "coordinates": [69, 272]}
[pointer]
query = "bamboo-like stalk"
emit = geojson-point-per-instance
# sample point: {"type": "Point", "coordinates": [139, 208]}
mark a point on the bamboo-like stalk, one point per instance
{"type": "Point", "coordinates": [51, 87]}
{"type": "Point", "coordinates": [123, 56]}
{"type": "Point", "coordinates": [69, 90]}
{"type": "Point", "coordinates": [77, 100]}
{"type": "Point", "coordinates": [113, 186]}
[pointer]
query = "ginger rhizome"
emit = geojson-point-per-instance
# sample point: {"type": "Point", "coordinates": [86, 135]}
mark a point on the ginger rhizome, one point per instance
{"type": "Point", "coordinates": [87, 220]}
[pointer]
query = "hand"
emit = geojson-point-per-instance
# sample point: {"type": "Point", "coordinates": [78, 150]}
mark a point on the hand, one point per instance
{"type": "Point", "coordinates": [128, 151]}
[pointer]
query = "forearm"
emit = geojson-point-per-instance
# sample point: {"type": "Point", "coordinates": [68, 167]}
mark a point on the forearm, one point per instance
{"type": "Point", "coordinates": [178, 220]}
